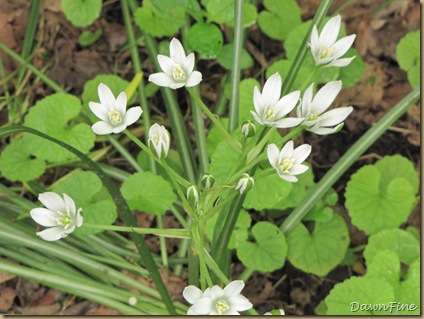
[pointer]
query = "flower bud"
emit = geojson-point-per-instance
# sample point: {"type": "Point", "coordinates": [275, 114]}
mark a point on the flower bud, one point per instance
{"type": "Point", "coordinates": [159, 140]}
{"type": "Point", "coordinates": [193, 195]}
{"type": "Point", "coordinates": [207, 181]}
{"type": "Point", "coordinates": [245, 183]}
{"type": "Point", "coordinates": [248, 128]}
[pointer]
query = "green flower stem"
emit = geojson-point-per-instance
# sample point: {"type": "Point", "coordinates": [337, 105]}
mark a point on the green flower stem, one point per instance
{"type": "Point", "coordinates": [304, 47]}
{"type": "Point", "coordinates": [205, 279]}
{"type": "Point", "coordinates": [258, 148]}
{"type": "Point", "coordinates": [246, 274]}
{"type": "Point", "coordinates": [215, 121]}
{"type": "Point", "coordinates": [235, 71]}
{"type": "Point", "coordinates": [221, 103]}
{"type": "Point", "coordinates": [307, 81]}
{"type": "Point", "coordinates": [162, 232]}
{"type": "Point", "coordinates": [123, 151]}
{"type": "Point", "coordinates": [348, 159]}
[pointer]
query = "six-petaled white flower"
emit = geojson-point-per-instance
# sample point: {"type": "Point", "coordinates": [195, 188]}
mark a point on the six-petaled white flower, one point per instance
{"type": "Point", "coordinates": [217, 301]}
{"type": "Point", "coordinates": [245, 183]}
{"type": "Point", "coordinates": [270, 109]}
{"type": "Point", "coordinates": [325, 48]}
{"type": "Point", "coordinates": [287, 163]}
{"type": "Point", "coordinates": [312, 110]}
{"type": "Point", "coordinates": [159, 140]}
{"type": "Point", "coordinates": [112, 112]}
{"type": "Point", "coordinates": [177, 68]}
{"type": "Point", "coordinates": [60, 215]}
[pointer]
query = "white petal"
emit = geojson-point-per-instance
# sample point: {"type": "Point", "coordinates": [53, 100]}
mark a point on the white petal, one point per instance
{"type": "Point", "coordinates": [106, 96]}
{"type": "Point", "coordinates": [176, 85]}
{"type": "Point", "coordinates": [272, 90]}
{"type": "Point", "coordinates": [303, 109]}
{"type": "Point", "coordinates": [258, 101]}
{"type": "Point", "coordinates": [287, 103]}
{"type": "Point", "coordinates": [330, 32]}
{"type": "Point", "coordinates": [234, 288]}
{"type": "Point", "coordinates": [102, 128]}
{"type": "Point", "coordinates": [335, 116]}
{"type": "Point", "coordinates": [52, 201]}
{"type": "Point", "coordinates": [239, 303]}
{"type": "Point", "coordinates": [194, 79]}
{"type": "Point", "coordinates": [315, 43]}
{"type": "Point", "coordinates": [203, 306]}
{"type": "Point", "coordinates": [40, 216]}
{"type": "Point", "coordinates": [132, 115]}
{"type": "Point", "coordinates": [341, 46]}
{"type": "Point", "coordinates": [324, 130]}
{"type": "Point", "coordinates": [217, 291]}
{"type": "Point", "coordinates": [188, 64]}
{"type": "Point", "coordinates": [99, 110]}
{"type": "Point", "coordinates": [288, 178]}
{"type": "Point", "coordinates": [192, 294]}
{"type": "Point", "coordinates": [286, 151]}
{"type": "Point", "coordinates": [298, 169]}
{"type": "Point", "coordinates": [289, 122]}
{"type": "Point", "coordinates": [273, 153]}
{"type": "Point", "coordinates": [340, 62]}
{"type": "Point", "coordinates": [118, 129]}
{"type": "Point", "coordinates": [302, 152]}
{"type": "Point", "coordinates": [191, 312]}
{"type": "Point", "coordinates": [325, 96]}
{"type": "Point", "coordinates": [79, 218]}
{"type": "Point", "coordinates": [161, 79]}
{"type": "Point", "coordinates": [121, 103]}
{"type": "Point", "coordinates": [231, 312]}
{"type": "Point", "coordinates": [70, 204]}
{"type": "Point", "coordinates": [176, 51]}
{"type": "Point", "coordinates": [257, 118]}
{"type": "Point", "coordinates": [166, 64]}
{"type": "Point", "coordinates": [52, 234]}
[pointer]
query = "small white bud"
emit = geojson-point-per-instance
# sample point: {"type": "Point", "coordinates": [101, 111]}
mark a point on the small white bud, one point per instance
{"type": "Point", "coordinates": [193, 195]}
{"type": "Point", "coordinates": [245, 183]}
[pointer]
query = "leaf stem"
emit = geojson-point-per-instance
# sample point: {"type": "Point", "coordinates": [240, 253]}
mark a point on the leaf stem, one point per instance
{"type": "Point", "coordinates": [162, 232]}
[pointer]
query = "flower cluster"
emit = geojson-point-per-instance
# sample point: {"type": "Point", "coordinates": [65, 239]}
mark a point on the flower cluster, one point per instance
{"type": "Point", "coordinates": [217, 301]}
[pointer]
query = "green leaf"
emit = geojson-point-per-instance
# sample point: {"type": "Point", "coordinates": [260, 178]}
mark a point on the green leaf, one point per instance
{"type": "Point", "coordinates": [408, 56]}
{"type": "Point", "coordinates": [17, 164]}
{"type": "Point", "coordinates": [148, 192]}
{"type": "Point", "coordinates": [269, 251]}
{"type": "Point", "coordinates": [280, 19]}
{"type": "Point", "coordinates": [246, 99]}
{"type": "Point", "coordinates": [321, 250]}
{"type": "Point", "coordinates": [347, 297]}
{"type": "Point", "coordinates": [87, 38]}
{"type": "Point", "coordinates": [403, 243]}
{"type": "Point", "coordinates": [215, 137]}
{"type": "Point", "coordinates": [52, 116]}
{"type": "Point", "coordinates": [223, 161]}
{"type": "Point", "coordinates": [385, 265]}
{"type": "Point", "coordinates": [351, 74]}
{"type": "Point", "coordinates": [205, 39]}
{"type": "Point", "coordinates": [382, 196]}
{"type": "Point", "coordinates": [409, 290]}
{"type": "Point", "coordinates": [220, 11]}
{"type": "Point", "coordinates": [81, 12]}
{"type": "Point", "coordinates": [225, 58]}
{"type": "Point", "coordinates": [87, 190]}
{"type": "Point", "coordinates": [148, 18]}
{"type": "Point", "coordinates": [283, 66]}
{"type": "Point", "coordinates": [165, 5]}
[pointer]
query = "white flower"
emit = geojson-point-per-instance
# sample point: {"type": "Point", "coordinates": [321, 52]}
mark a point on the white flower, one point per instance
{"type": "Point", "coordinates": [312, 110]}
{"type": "Point", "coordinates": [60, 215]}
{"type": "Point", "coordinates": [217, 301]}
{"type": "Point", "coordinates": [278, 312]}
{"type": "Point", "coordinates": [270, 109]}
{"type": "Point", "coordinates": [177, 69]}
{"type": "Point", "coordinates": [245, 183]}
{"type": "Point", "coordinates": [324, 47]}
{"type": "Point", "coordinates": [112, 112]}
{"type": "Point", "coordinates": [287, 163]}
{"type": "Point", "coordinates": [159, 140]}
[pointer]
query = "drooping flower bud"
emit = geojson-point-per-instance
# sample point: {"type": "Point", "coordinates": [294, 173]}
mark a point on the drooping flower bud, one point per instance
{"type": "Point", "coordinates": [193, 195]}
{"type": "Point", "coordinates": [248, 129]}
{"type": "Point", "coordinates": [159, 140]}
{"type": "Point", "coordinates": [207, 181]}
{"type": "Point", "coordinates": [245, 183]}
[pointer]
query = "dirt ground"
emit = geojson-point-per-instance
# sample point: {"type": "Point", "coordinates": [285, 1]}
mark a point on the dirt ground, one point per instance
{"type": "Point", "coordinates": [379, 28]}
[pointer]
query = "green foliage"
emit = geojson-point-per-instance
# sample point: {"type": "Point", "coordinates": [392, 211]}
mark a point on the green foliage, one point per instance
{"type": "Point", "coordinates": [280, 18]}
{"type": "Point", "coordinates": [382, 196]}
{"type": "Point", "coordinates": [223, 161]}
{"type": "Point", "coordinates": [408, 56]}
{"type": "Point", "coordinates": [269, 250]}
{"type": "Point", "coordinates": [320, 250]}
{"type": "Point", "coordinates": [403, 243]}
{"type": "Point", "coordinates": [225, 58]}
{"type": "Point", "coordinates": [352, 73]}
{"type": "Point", "coordinates": [149, 17]}
{"type": "Point", "coordinates": [205, 39]}
{"type": "Point", "coordinates": [81, 12]}
{"type": "Point", "coordinates": [87, 191]}
{"type": "Point", "coordinates": [148, 192]}
{"type": "Point", "coordinates": [222, 11]}
{"type": "Point", "coordinates": [87, 38]}
{"type": "Point", "coordinates": [215, 136]}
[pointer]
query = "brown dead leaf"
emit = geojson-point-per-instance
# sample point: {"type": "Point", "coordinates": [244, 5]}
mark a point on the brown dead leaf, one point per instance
{"type": "Point", "coordinates": [39, 310]}
{"type": "Point", "coordinates": [7, 295]}
{"type": "Point", "coordinates": [102, 310]}
{"type": "Point", "coordinates": [4, 276]}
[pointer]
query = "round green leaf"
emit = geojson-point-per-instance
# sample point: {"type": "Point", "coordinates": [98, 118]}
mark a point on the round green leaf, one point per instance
{"type": "Point", "coordinates": [148, 192]}
{"type": "Point", "coordinates": [87, 191]}
{"type": "Point", "coordinates": [321, 250]}
{"type": "Point", "coordinates": [269, 251]}
{"type": "Point", "coordinates": [52, 116]}
{"type": "Point", "coordinates": [215, 136]}
{"type": "Point", "coordinates": [225, 58]}
{"type": "Point", "coordinates": [205, 39]}
{"type": "Point", "coordinates": [381, 196]}
{"type": "Point", "coordinates": [223, 161]}
{"type": "Point", "coordinates": [81, 12]}
{"type": "Point", "coordinates": [403, 243]}
{"type": "Point", "coordinates": [385, 265]}
{"type": "Point", "coordinates": [347, 297]}
{"type": "Point", "coordinates": [408, 56]}
{"type": "Point", "coordinates": [410, 289]}
{"type": "Point", "coordinates": [87, 38]}
{"type": "Point", "coordinates": [17, 164]}
{"type": "Point", "coordinates": [246, 99]}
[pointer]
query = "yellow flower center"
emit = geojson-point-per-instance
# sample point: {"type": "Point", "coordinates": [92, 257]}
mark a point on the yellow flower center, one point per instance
{"type": "Point", "coordinates": [313, 116]}
{"type": "Point", "coordinates": [326, 53]}
{"type": "Point", "coordinates": [286, 164]}
{"type": "Point", "coordinates": [157, 138]}
{"type": "Point", "coordinates": [114, 116]}
{"type": "Point", "coordinates": [222, 306]}
{"type": "Point", "coordinates": [178, 73]}
{"type": "Point", "coordinates": [270, 113]}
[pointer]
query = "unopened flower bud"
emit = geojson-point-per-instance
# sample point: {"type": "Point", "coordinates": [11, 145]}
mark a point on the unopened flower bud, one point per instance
{"type": "Point", "coordinates": [245, 183]}
{"type": "Point", "coordinates": [193, 195]}
{"type": "Point", "coordinates": [248, 129]}
{"type": "Point", "coordinates": [159, 140]}
{"type": "Point", "coordinates": [207, 181]}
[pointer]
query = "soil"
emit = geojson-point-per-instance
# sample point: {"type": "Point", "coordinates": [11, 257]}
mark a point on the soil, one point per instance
{"type": "Point", "coordinates": [379, 25]}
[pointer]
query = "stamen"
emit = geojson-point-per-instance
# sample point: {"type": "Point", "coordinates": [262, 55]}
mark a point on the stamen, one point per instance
{"type": "Point", "coordinates": [222, 306]}
{"type": "Point", "coordinates": [178, 73]}
{"type": "Point", "coordinates": [286, 164]}
{"type": "Point", "coordinates": [270, 113]}
{"type": "Point", "coordinates": [114, 116]}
